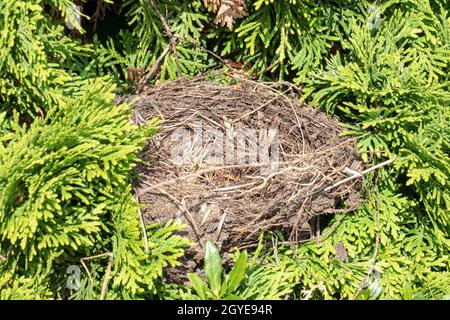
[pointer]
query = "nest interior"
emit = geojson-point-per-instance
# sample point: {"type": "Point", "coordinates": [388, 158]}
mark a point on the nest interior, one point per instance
{"type": "Point", "coordinates": [229, 199]}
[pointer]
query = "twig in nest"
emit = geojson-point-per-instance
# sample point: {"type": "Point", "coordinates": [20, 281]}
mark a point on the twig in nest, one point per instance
{"type": "Point", "coordinates": [359, 174]}
{"type": "Point", "coordinates": [260, 107]}
{"type": "Point", "coordinates": [150, 187]}
{"type": "Point", "coordinates": [186, 213]}
{"type": "Point", "coordinates": [172, 39]}
{"type": "Point", "coordinates": [220, 225]}
{"type": "Point", "coordinates": [107, 273]}
{"type": "Point", "coordinates": [215, 55]}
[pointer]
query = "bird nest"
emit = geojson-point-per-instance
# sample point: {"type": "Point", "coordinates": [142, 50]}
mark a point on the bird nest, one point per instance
{"type": "Point", "coordinates": [234, 157]}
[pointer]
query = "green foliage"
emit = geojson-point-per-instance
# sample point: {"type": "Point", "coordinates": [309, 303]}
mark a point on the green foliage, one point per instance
{"type": "Point", "coordinates": [276, 37]}
{"type": "Point", "coordinates": [66, 151]}
{"type": "Point", "coordinates": [24, 288]}
{"type": "Point", "coordinates": [31, 50]}
{"type": "Point", "coordinates": [217, 288]}
{"type": "Point", "coordinates": [290, 35]}
{"type": "Point", "coordinates": [147, 39]}
{"type": "Point", "coordinates": [392, 89]}
{"type": "Point", "coordinates": [436, 288]}
{"type": "Point", "coordinates": [62, 180]}
{"type": "Point", "coordinates": [246, 280]}
{"type": "Point", "coordinates": [390, 85]}
{"type": "Point", "coordinates": [406, 254]}
{"type": "Point", "coordinates": [136, 272]}
{"type": "Point", "coordinates": [58, 179]}
{"type": "Point", "coordinates": [65, 190]}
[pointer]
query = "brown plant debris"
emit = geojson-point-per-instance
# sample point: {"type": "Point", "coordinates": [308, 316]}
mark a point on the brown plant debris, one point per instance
{"type": "Point", "coordinates": [214, 4]}
{"type": "Point", "coordinates": [227, 11]}
{"type": "Point", "coordinates": [228, 202]}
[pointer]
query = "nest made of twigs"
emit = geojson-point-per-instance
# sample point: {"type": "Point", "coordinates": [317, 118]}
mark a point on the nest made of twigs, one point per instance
{"type": "Point", "coordinates": [231, 203]}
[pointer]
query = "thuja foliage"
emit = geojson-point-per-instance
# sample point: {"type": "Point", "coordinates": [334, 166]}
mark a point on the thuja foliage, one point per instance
{"type": "Point", "coordinates": [66, 195]}
{"type": "Point", "coordinates": [31, 52]}
{"type": "Point", "coordinates": [390, 85]}
{"type": "Point", "coordinates": [382, 68]}
{"type": "Point", "coordinates": [248, 278]}
{"type": "Point", "coordinates": [67, 151]}
{"type": "Point", "coordinates": [65, 190]}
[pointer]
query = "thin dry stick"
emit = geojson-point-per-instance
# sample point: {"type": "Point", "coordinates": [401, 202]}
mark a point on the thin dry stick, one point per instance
{"type": "Point", "coordinates": [223, 61]}
{"type": "Point", "coordinates": [204, 49]}
{"type": "Point", "coordinates": [328, 232]}
{"type": "Point", "coordinates": [260, 107]}
{"type": "Point", "coordinates": [107, 273]}
{"type": "Point", "coordinates": [186, 213]}
{"type": "Point", "coordinates": [172, 39]}
{"type": "Point", "coordinates": [219, 168]}
{"type": "Point", "coordinates": [144, 232]}
{"type": "Point", "coordinates": [105, 282]}
{"type": "Point", "coordinates": [234, 188]}
{"type": "Point", "coordinates": [151, 73]}
{"type": "Point", "coordinates": [220, 225]}
{"type": "Point", "coordinates": [260, 84]}
{"type": "Point", "coordinates": [297, 221]}
{"type": "Point", "coordinates": [359, 174]}
{"type": "Point", "coordinates": [375, 251]}
{"type": "Point", "coordinates": [150, 187]}
{"type": "Point", "coordinates": [206, 215]}
{"type": "Point", "coordinates": [322, 236]}
{"type": "Point", "coordinates": [273, 65]}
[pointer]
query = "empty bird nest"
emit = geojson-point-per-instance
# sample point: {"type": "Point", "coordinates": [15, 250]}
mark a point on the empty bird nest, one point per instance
{"type": "Point", "coordinates": [234, 157]}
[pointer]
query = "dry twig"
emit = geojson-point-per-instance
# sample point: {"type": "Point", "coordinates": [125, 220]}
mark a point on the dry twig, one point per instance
{"type": "Point", "coordinates": [152, 72]}
{"type": "Point", "coordinates": [107, 272]}
{"type": "Point", "coordinates": [375, 251]}
{"type": "Point", "coordinates": [172, 39]}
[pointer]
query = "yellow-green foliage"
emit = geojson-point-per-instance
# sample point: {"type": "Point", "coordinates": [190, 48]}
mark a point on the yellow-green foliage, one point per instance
{"type": "Point", "coordinates": [393, 88]}
{"type": "Point", "coordinates": [381, 67]}
{"type": "Point", "coordinates": [31, 51]}
{"type": "Point", "coordinates": [65, 179]}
